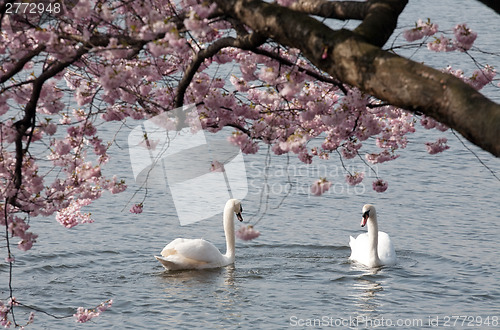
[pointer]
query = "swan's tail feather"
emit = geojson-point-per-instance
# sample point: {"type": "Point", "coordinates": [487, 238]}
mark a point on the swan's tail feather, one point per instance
{"type": "Point", "coordinates": [168, 265]}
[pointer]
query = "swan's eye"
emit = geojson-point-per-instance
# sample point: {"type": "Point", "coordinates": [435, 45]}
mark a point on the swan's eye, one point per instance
{"type": "Point", "coordinates": [366, 214]}
{"type": "Point", "coordinates": [241, 208]}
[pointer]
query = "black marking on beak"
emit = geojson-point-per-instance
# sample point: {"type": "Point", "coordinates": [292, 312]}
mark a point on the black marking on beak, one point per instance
{"type": "Point", "coordinates": [366, 215]}
{"type": "Point", "coordinates": [238, 215]}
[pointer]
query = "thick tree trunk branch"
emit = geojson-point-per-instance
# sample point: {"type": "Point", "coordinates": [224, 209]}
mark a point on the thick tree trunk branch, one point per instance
{"type": "Point", "coordinates": [493, 4]}
{"type": "Point", "coordinates": [416, 87]}
{"type": "Point", "coordinates": [396, 80]}
{"type": "Point", "coordinates": [381, 20]}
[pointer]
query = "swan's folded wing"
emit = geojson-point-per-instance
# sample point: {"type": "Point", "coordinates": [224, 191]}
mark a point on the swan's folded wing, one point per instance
{"type": "Point", "coordinates": [166, 263]}
{"type": "Point", "coordinates": [357, 246]}
{"type": "Point", "coordinates": [386, 251]}
{"type": "Point", "coordinates": [195, 249]}
{"type": "Point", "coordinates": [352, 241]}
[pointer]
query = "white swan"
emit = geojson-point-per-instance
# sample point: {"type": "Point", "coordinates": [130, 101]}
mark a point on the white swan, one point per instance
{"type": "Point", "coordinates": [184, 253]}
{"type": "Point", "coordinates": [372, 249]}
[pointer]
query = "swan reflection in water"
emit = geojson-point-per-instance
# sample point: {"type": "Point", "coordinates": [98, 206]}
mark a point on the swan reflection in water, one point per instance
{"type": "Point", "coordinates": [365, 292]}
{"type": "Point", "coordinates": [187, 288]}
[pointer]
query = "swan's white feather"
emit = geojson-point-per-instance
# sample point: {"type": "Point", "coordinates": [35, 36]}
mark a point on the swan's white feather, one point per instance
{"type": "Point", "coordinates": [197, 250]}
{"type": "Point", "coordinates": [360, 245]}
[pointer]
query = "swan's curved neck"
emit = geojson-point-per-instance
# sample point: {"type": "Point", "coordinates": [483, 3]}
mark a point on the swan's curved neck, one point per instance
{"type": "Point", "coordinates": [229, 230]}
{"type": "Point", "coordinates": [373, 239]}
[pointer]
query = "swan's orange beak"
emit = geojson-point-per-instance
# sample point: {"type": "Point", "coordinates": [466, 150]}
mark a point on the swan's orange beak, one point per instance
{"type": "Point", "coordinates": [366, 215]}
{"type": "Point", "coordinates": [238, 215]}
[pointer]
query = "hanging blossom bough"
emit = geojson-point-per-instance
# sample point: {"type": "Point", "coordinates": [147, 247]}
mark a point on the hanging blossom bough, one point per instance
{"type": "Point", "coordinates": [83, 315]}
{"type": "Point", "coordinates": [463, 40]}
{"type": "Point", "coordinates": [5, 309]}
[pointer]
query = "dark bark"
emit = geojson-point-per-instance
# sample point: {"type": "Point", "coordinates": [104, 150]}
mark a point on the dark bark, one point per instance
{"type": "Point", "coordinates": [355, 58]}
{"type": "Point", "coordinates": [493, 4]}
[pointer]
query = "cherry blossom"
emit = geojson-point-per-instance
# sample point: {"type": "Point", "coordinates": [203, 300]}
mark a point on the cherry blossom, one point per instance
{"type": "Point", "coordinates": [464, 37]}
{"type": "Point", "coordinates": [83, 315]}
{"type": "Point", "coordinates": [217, 166]}
{"type": "Point", "coordinates": [421, 29]}
{"type": "Point", "coordinates": [247, 233]}
{"type": "Point", "coordinates": [380, 185]}
{"type": "Point", "coordinates": [137, 208]}
{"type": "Point", "coordinates": [442, 44]}
{"type": "Point", "coordinates": [320, 186]}
{"type": "Point", "coordinates": [354, 179]}
{"type": "Point", "coordinates": [71, 215]}
{"type": "Point", "coordinates": [438, 146]}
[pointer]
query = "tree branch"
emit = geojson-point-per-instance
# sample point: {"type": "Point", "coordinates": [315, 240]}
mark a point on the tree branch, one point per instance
{"type": "Point", "coordinates": [396, 80]}
{"type": "Point", "coordinates": [28, 120]}
{"type": "Point", "coordinates": [248, 41]}
{"type": "Point", "coordinates": [316, 75]}
{"type": "Point", "coordinates": [20, 63]}
{"type": "Point", "coordinates": [342, 10]}
{"type": "Point", "coordinates": [493, 4]}
{"type": "Point", "coordinates": [380, 20]}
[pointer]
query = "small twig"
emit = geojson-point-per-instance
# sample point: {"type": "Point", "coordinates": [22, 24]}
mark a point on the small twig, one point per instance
{"type": "Point", "coordinates": [475, 155]}
{"type": "Point", "coordinates": [9, 256]}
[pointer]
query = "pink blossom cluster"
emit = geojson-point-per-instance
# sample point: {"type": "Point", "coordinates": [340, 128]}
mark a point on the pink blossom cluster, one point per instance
{"type": "Point", "coordinates": [421, 29]}
{"type": "Point", "coordinates": [441, 44]}
{"type": "Point", "coordinates": [137, 208]}
{"type": "Point", "coordinates": [286, 3]}
{"type": "Point", "coordinates": [17, 227]}
{"type": "Point", "coordinates": [247, 233]}
{"type": "Point", "coordinates": [380, 185]}
{"type": "Point", "coordinates": [320, 186]}
{"type": "Point", "coordinates": [354, 179]}
{"type": "Point", "coordinates": [430, 123]}
{"type": "Point", "coordinates": [438, 146]}
{"type": "Point", "coordinates": [72, 215]}
{"type": "Point", "coordinates": [4, 314]}
{"type": "Point", "coordinates": [277, 103]}
{"type": "Point", "coordinates": [478, 79]}
{"type": "Point", "coordinates": [83, 315]}
{"type": "Point", "coordinates": [217, 166]}
{"type": "Point", "coordinates": [5, 309]}
{"type": "Point", "coordinates": [463, 36]}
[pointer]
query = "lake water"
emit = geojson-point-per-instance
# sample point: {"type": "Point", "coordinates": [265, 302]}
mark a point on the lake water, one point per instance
{"type": "Point", "coordinates": [441, 211]}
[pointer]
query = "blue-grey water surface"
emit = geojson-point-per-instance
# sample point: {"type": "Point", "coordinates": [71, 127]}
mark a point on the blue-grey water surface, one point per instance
{"type": "Point", "coordinates": [442, 212]}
